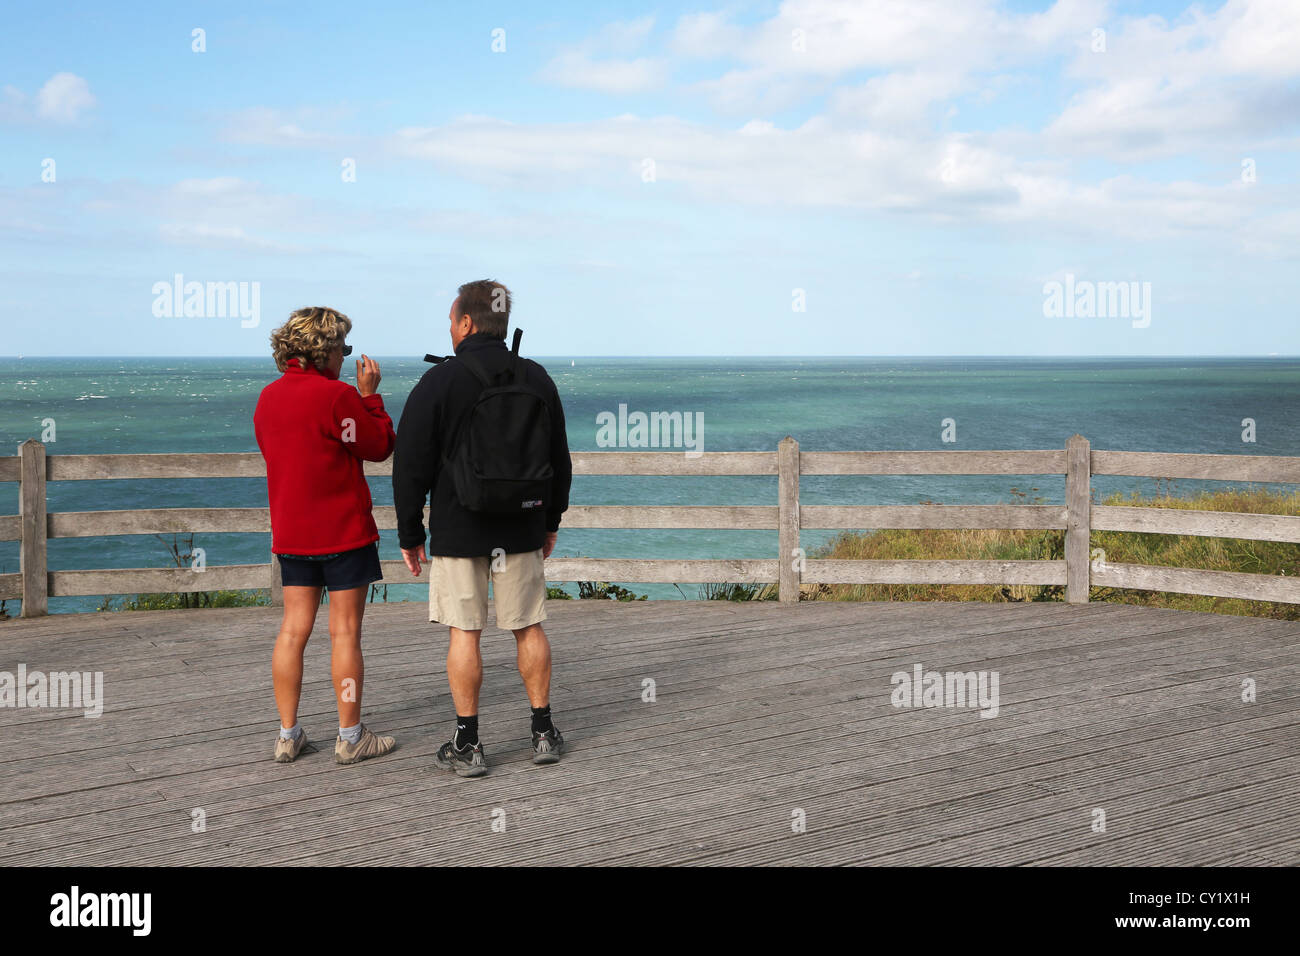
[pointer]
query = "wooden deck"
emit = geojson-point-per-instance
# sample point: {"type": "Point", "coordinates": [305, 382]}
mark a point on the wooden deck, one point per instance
{"type": "Point", "coordinates": [761, 709]}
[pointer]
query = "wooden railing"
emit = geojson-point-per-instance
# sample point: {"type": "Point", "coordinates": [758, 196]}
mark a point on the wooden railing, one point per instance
{"type": "Point", "coordinates": [790, 568]}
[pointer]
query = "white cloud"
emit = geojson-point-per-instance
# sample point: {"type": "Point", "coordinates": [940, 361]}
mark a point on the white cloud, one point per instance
{"type": "Point", "coordinates": [204, 235]}
{"type": "Point", "coordinates": [1164, 89]}
{"type": "Point", "coordinates": [948, 177]}
{"type": "Point", "coordinates": [897, 99]}
{"type": "Point", "coordinates": [810, 44]}
{"type": "Point", "coordinates": [220, 212]}
{"type": "Point", "coordinates": [1261, 37]}
{"type": "Point", "coordinates": [605, 61]}
{"type": "Point", "coordinates": [579, 71]}
{"type": "Point", "coordinates": [263, 126]}
{"type": "Point", "coordinates": [888, 142]}
{"type": "Point", "coordinates": [63, 98]}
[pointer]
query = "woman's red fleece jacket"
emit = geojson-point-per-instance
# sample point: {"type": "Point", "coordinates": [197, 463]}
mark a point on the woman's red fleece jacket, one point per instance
{"type": "Point", "coordinates": [314, 432]}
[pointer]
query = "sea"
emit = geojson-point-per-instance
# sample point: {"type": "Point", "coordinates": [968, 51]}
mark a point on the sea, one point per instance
{"type": "Point", "coordinates": [196, 405]}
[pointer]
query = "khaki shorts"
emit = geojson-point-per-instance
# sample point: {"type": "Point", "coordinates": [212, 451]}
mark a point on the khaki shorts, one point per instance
{"type": "Point", "coordinates": [458, 590]}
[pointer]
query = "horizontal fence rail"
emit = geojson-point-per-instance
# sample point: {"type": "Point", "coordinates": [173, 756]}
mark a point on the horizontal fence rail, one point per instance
{"type": "Point", "coordinates": [32, 468]}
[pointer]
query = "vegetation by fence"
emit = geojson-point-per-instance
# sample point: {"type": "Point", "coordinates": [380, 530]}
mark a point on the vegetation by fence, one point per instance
{"type": "Point", "coordinates": [32, 468]}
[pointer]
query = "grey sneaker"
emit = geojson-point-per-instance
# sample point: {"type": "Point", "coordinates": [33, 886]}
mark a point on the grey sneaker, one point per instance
{"type": "Point", "coordinates": [469, 762]}
{"type": "Point", "coordinates": [548, 746]}
{"type": "Point", "coordinates": [286, 751]}
{"type": "Point", "coordinates": [370, 745]}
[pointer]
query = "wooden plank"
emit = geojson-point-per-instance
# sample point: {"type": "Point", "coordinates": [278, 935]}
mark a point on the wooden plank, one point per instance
{"type": "Point", "coordinates": [788, 551]}
{"type": "Point", "coordinates": [10, 469]}
{"type": "Point", "coordinates": [101, 467]}
{"type": "Point", "coordinates": [761, 517]}
{"type": "Point", "coordinates": [652, 463]}
{"type": "Point", "coordinates": [1270, 468]}
{"type": "Point", "coordinates": [644, 798]}
{"type": "Point", "coordinates": [159, 580]}
{"type": "Point", "coordinates": [386, 764]}
{"type": "Point", "coordinates": [11, 587]}
{"type": "Point", "coordinates": [673, 463]}
{"type": "Point", "coordinates": [630, 571]}
{"type": "Point", "coordinates": [1229, 584]}
{"type": "Point", "coordinates": [1214, 524]}
{"type": "Point", "coordinates": [933, 572]}
{"type": "Point", "coordinates": [386, 517]}
{"type": "Point", "coordinates": [1012, 462]}
{"type": "Point", "coordinates": [849, 517]}
{"type": "Point", "coordinates": [396, 572]}
{"type": "Point", "coordinates": [755, 517]}
{"type": "Point", "coordinates": [933, 462]}
{"type": "Point", "coordinates": [89, 524]}
{"type": "Point", "coordinates": [904, 786]}
{"type": "Point", "coordinates": [1078, 501]}
{"type": "Point", "coordinates": [164, 762]}
{"type": "Point", "coordinates": [659, 571]}
{"type": "Point", "coordinates": [33, 563]}
{"type": "Point", "coordinates": [11, 527]}
{"type": "Point", "coordinates": [991, 799]}
{"type": "Point", "coordinates": [744, 517]}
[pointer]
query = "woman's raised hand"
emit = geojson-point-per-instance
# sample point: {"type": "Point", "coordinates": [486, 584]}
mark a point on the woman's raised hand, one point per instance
{"type": "Point", "coordinates": [367, 375]}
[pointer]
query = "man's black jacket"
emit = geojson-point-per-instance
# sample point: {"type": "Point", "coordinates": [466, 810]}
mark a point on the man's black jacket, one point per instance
{"type": "Point", "coordinates": [433, 410]}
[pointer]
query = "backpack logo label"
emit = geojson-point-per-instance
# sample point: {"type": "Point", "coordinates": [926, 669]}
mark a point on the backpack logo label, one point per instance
{"type": "Point", "coordinates": [531, 504]}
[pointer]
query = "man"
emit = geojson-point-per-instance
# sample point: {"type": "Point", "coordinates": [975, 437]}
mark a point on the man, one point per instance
{"type": "Point", "coordinates": [470, 548]}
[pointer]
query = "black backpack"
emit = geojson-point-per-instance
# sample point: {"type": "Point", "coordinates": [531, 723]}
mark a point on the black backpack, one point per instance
{"type": "Point", "coordinates": [500, 453]}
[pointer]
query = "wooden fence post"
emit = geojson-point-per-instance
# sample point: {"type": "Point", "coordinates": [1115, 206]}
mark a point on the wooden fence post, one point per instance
{"type": "Point", "coordinates": [1078, 518]}
{"type": "Point", "coordinates": [31, 509]}
{"type": "Point", "coordinates": [791, 559]}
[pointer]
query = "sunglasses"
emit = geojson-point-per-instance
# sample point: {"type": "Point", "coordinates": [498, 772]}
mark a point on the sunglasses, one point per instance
{"type": "Point", "coordinates": [347, 350]}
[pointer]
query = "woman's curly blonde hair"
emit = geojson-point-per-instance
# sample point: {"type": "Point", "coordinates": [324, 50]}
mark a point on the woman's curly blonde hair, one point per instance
{"type": "Point", "coordinates": [310, 334]}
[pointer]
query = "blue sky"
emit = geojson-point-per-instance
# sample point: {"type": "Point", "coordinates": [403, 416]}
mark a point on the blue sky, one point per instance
{"type": "Point", "coordinates": [914, 173]}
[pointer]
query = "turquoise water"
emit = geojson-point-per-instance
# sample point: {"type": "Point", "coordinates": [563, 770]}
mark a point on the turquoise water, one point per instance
{"type": "Point", "coordinates": [102, 406]}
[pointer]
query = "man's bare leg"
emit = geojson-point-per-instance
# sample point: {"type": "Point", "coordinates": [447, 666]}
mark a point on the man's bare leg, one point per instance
{"type": "Point", "coordinates": [534, 658]}
{"type": "Point", "coordinates": [465, 670]}
{"type": "Point", "coordinates": [463, 753]}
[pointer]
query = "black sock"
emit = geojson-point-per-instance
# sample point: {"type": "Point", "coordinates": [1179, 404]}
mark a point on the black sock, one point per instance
{"type": "Point", "coordinates": [542, 719]}
{"type": "Point", "coordinates": [466, 732]}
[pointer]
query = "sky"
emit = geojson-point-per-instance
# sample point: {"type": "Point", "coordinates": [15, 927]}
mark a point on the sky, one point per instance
{"type": "Point", "coordinates": [811, 177]}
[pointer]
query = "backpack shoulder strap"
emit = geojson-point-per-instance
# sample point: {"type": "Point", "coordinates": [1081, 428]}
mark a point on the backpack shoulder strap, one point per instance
{"type": "Point", "coordinates": [514, 355]}
{"type": "Point", "coordinates": [479, 372]}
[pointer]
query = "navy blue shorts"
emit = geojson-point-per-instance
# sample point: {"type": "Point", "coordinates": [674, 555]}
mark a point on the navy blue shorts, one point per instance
{"type": "Point", "coordinates": [335, 572]}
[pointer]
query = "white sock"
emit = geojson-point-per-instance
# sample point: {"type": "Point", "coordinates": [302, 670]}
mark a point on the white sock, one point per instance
{"type": "Point", "coordinates": [351, 734]}
{"type": "Point", "coordinates": [290, 733]}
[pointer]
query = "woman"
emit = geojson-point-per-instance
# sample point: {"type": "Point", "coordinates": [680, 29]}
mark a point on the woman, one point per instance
{"type": "Point", "coordinates": [314, 432]}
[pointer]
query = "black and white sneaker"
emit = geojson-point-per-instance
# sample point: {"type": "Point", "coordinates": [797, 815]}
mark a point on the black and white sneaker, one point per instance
{"type": "Point", "coordinates": [468, 762]}
{"type": "Point", "coordinates": [548, 746]}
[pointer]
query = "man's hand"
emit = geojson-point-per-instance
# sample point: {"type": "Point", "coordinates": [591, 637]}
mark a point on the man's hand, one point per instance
{"type": "Point", "coordinates": [367, 375]}
{"type": "Point", "coordinates": [549, 546]}
{"type": "Point", "coordinates": [413, 557]}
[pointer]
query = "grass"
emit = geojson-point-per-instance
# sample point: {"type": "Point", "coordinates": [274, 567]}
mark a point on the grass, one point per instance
{"type": "Point", "coordinates": [1120, 547]}
{"type": "Point", "coordinates": [199, 599]}
{"type": "Point", "coordinates": [737, 592]}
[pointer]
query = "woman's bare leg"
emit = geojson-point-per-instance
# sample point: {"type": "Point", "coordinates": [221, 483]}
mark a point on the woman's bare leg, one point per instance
{"type": "Point", "coordinates": [300, 606]}
{"type": "Point", "coordinates": [346, 665]}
